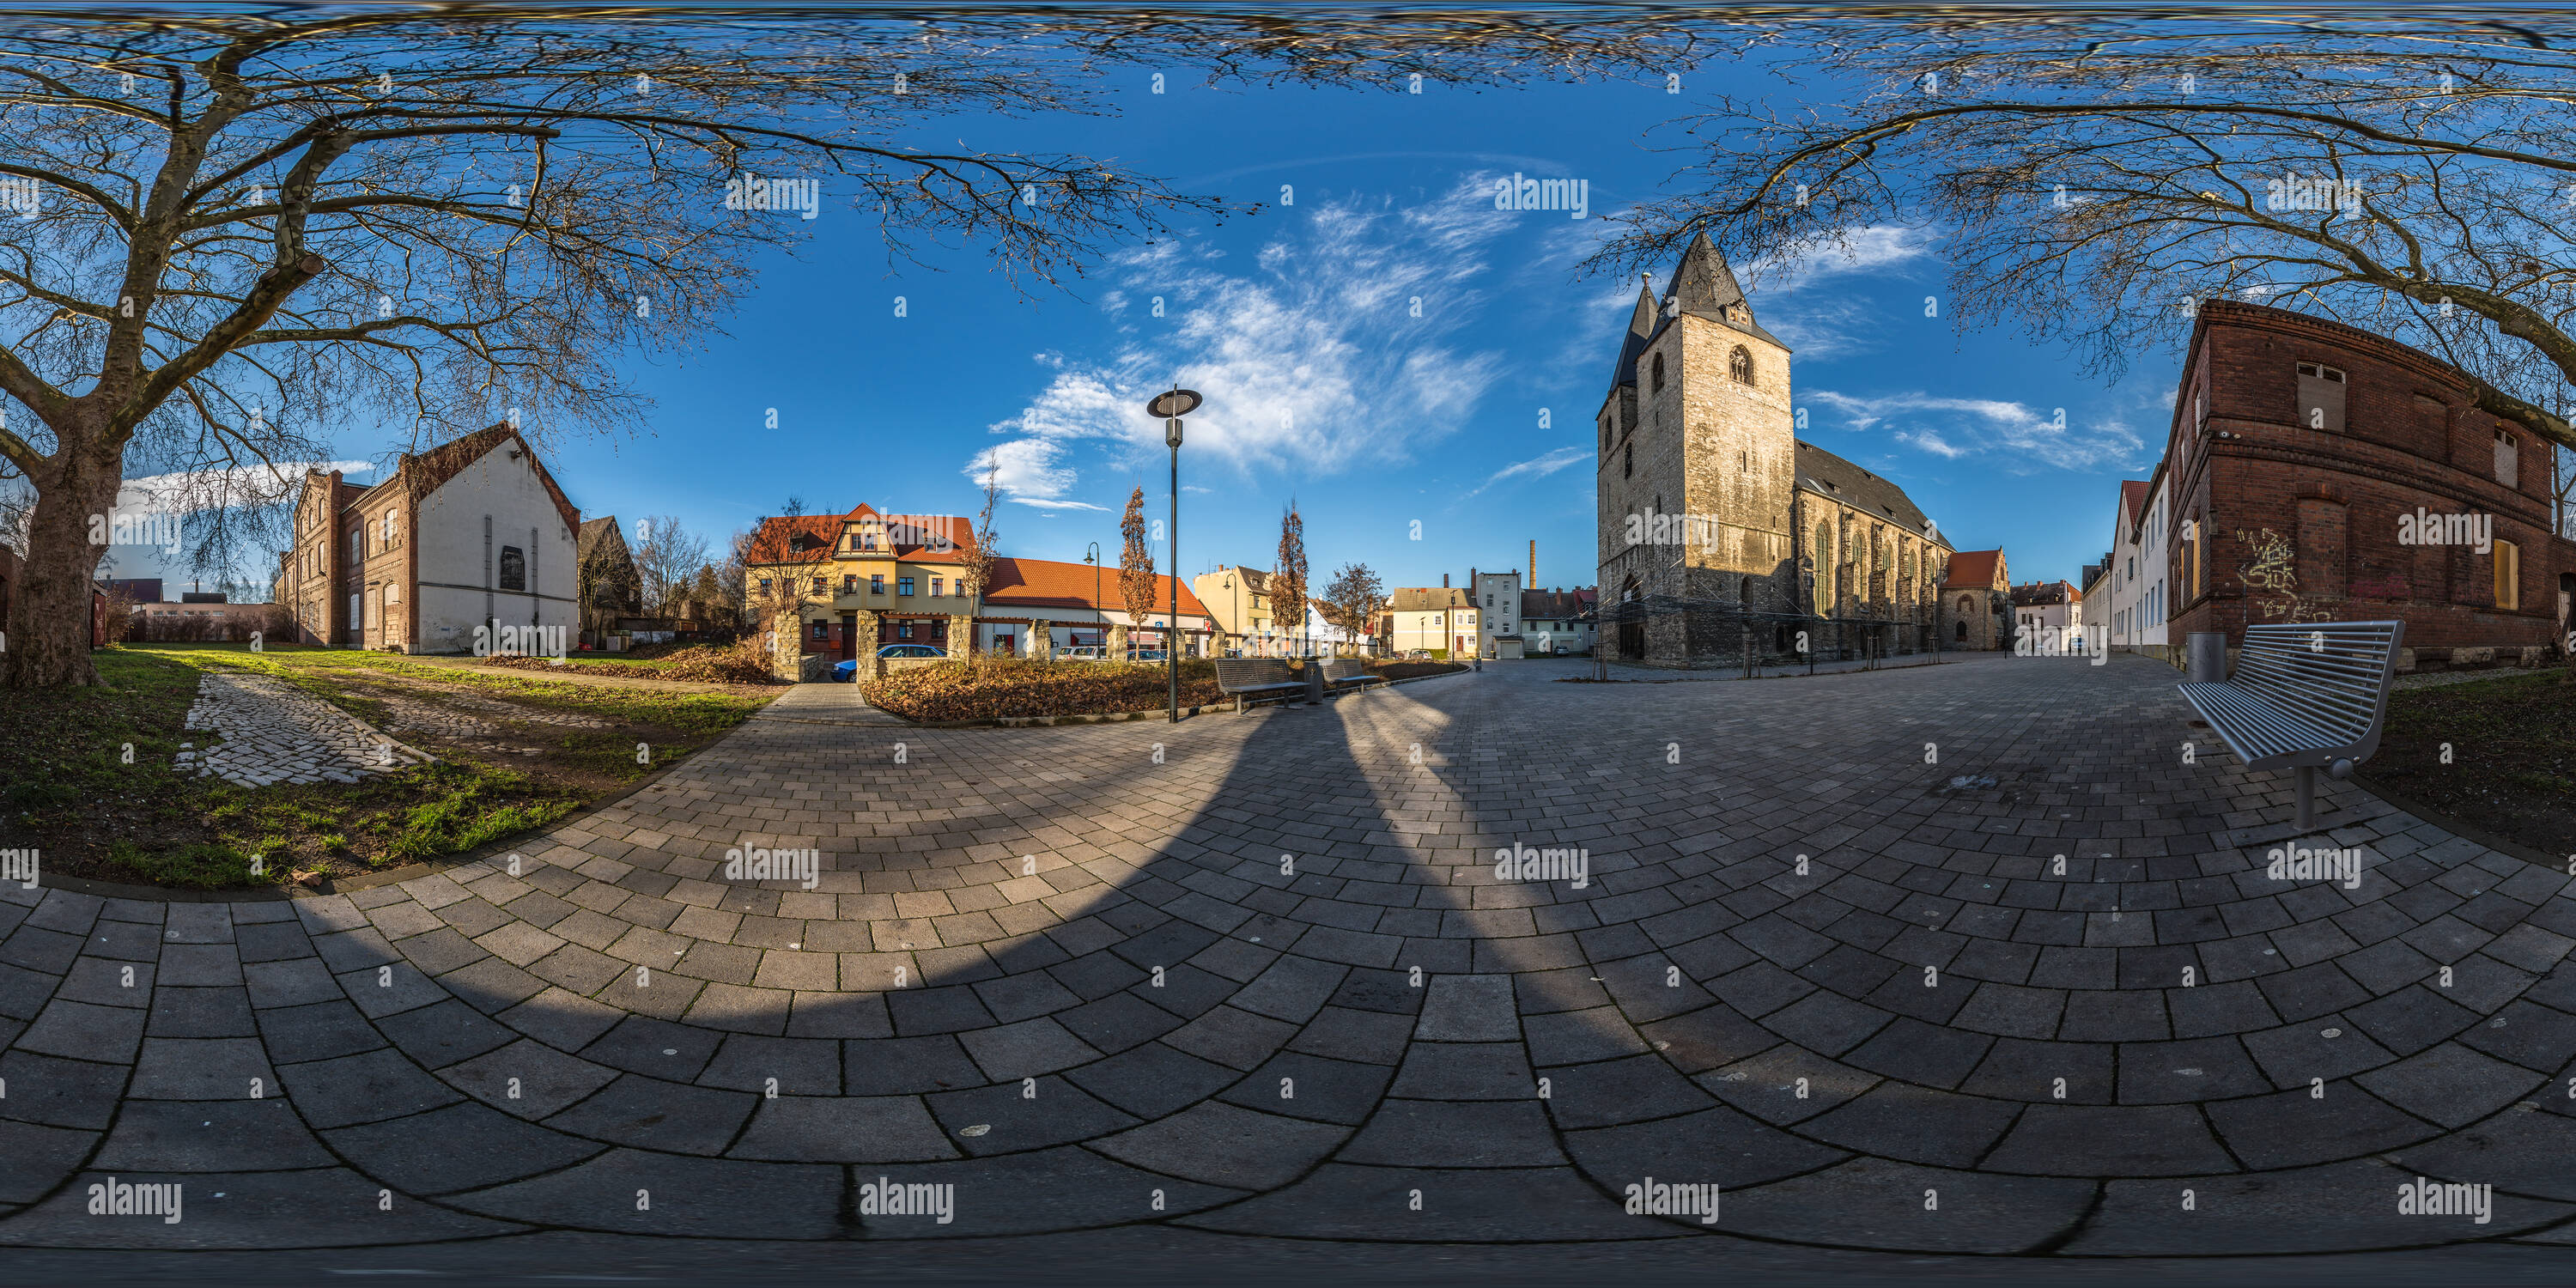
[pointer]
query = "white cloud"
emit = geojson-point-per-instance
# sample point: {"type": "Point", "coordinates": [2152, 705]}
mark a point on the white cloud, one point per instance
{"type": "Point", "coordinates": [2016, 437]}
{"type": "Point", "coordinates": [192, 490]}
{"type": "Point", "coordinates": [1311, 357]}
{"type": "Point", "coordinates": [1877, 249]}
{"type": "Point", "coordinates": [1537, 467]}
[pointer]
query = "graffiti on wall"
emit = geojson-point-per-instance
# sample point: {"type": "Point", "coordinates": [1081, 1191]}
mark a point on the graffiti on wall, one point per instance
{"type": "Point", "coordinates": [2270, 575]}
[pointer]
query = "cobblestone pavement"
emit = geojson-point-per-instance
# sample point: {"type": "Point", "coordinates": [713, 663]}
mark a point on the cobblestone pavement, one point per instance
{"type": "Point", "coordinates": [1132, 974]}
{"type": "Point", "coordinates": [453, 714]}
{"type": "Point", "coordinates": [275, 733]}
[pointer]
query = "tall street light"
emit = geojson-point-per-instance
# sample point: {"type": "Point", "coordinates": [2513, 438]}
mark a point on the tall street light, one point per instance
{"type": "Point", "coordinates": [1092, 557]}
{"type": "Point", "coordinates": [1171, 406]}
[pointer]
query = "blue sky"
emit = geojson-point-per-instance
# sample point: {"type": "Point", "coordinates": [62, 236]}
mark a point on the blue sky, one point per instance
{"type": "Point", "coordinates": [1299, 326]}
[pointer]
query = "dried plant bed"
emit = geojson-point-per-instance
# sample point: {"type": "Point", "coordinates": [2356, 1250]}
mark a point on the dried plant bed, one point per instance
{"type": "Point", "coordinates": [996, 690]}
{"type": "Point", "coordinates": [2513, 756]}
{"type": "Point", "coordinates": [740, 663]}
{"type": "Point", "coordinates": [514, 752]}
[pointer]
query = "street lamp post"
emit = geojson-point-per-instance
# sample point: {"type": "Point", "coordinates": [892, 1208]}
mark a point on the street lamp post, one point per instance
{"type": "Point", "coordinates": [1172, 406]}
{"type": "Point", "coordinates": [1092, 557]}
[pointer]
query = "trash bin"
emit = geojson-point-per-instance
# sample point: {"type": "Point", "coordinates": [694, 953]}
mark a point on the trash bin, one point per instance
{"type": "Point", "coordinates": [1314, 680]}
{"type": "Point", "coordinates": [2205, 657]}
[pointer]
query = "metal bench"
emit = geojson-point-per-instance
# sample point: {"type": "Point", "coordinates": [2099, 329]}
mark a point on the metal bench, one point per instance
{"type": "Point", "coordinates": [1349, 671]}
{"type": "Point", "coordinates": [1256, 679]}
{"type": "Point", "coordinates": [2304, 695]}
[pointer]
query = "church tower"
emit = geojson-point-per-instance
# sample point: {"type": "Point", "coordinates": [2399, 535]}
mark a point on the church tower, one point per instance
{"type": "Point", "coordinates": [1698, 470]}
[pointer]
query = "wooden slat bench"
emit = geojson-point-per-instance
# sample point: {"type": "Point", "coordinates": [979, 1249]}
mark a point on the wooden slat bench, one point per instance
{"type": "Point", "coordinates": [1256, 679]}
{"type": "Point", "coordinates": [2304, 696]}
{"type": "Point", "coordinates": [1349, 671]}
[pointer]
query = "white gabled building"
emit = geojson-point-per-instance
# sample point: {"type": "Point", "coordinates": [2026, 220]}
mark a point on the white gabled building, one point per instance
{"type": "Point", "coordinates": [465, 549]}
{"type": "Point", "coordinates": [2136, 613]}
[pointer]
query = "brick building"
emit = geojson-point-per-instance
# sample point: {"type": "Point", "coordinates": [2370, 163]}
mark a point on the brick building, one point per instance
{"type": "Point", "coordinates": [2321, 473]}
{"type": "Point", "coordinates": [468, 547]}
{"type": "Point", "coordinates": [1976, 602]}
{"type": "Point", "coordinates": [1733, 536]}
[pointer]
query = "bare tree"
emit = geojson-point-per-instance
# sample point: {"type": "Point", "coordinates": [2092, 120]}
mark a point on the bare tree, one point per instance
{"type": "Point", "coordinates": [975, 562]}
{"type": "Point", "coordinates": [794, 507]}
{"type": "Point", "coordinates": [2094, 180]}
{"type": "Point", "coordinates": [665, 560]}
{"type": "Point", "coordinates": [243, 223]}
{"type": "Point", "coordinates": [1136, 580]}
{"type": "Point", "coordinates": [1288, 582]}
{"type": "Point", "coordinates": [1352, 600]}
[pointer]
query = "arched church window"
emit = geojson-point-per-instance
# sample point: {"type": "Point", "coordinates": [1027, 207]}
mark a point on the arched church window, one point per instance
{"type": "Point", "coordinates": [1739, 364]}
{"type": "Point", "coordinates": [1658, 374]}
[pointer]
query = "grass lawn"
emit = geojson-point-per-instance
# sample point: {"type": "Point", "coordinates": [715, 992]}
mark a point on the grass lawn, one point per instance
{"type": "Point", "coordinates": [85, 775]}
{"type": "Point", "coordinates": [2512, 767]}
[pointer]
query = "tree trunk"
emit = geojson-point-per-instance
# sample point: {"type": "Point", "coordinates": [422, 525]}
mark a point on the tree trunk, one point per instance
{"type": "Point", "coordinates": [49, 608]}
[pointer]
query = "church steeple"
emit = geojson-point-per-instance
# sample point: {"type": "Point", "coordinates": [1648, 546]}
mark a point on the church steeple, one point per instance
{"type": "Point", "coordinates": [1641, 327]}
{"type": "Point", "coordinates": [1702, 283]}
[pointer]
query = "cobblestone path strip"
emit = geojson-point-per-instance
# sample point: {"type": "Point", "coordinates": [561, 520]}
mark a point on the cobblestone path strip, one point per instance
{"type": "Point", "coordinates": [275, 733]}
{"type": "Point", "coordinates": [1260, 975]}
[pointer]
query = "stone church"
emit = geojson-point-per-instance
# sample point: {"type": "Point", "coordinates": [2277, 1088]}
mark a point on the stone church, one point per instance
{"type": "Point", "coordinates": [1721, 535]}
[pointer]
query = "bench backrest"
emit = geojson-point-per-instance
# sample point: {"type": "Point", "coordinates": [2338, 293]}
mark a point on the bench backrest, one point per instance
{"type": "Point", "coordinates": [1233, 673]}
{"type": "Point", "coordinates": [2333, 674]}
{"type": "Point", "coordinates": [1344, 668]}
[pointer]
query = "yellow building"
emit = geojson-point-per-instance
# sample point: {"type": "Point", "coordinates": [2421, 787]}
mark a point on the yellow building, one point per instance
{"type": "Point", "coordinates": [1239, 600]}
{"type": "Point", "coordinates": [862, 580]}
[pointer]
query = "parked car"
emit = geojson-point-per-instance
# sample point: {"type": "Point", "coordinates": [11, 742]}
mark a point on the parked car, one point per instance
{"type": "Point", "coordinates": [912, 650]}
{"type": "Point", "coordinates": [1146, 655]}
{"type": "Point", "coordinates": [845, 671]}
{"type": "Point", "coordinates": [1080, 653]}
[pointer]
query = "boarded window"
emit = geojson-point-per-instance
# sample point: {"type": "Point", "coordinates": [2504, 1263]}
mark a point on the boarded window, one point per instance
{"type": "Point", "coordinates": [2507, 467]}
{"type": "Point", "coordinates": [514, 568]}
{"type": "Point", "coordinates": [2508, 575]}
{"type": "Point", "coordinates": [2321, 391]}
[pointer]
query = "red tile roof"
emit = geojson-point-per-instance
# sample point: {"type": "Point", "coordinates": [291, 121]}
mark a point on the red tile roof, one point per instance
{"type": "Point", "coordinates": [2133, 501]}
{"type": "Point", "coordinates": [1972, 569]}
{"type": "Point", "coordinates": [909, 537]}
{"type": "Point", "coordinates": [1046, 583]}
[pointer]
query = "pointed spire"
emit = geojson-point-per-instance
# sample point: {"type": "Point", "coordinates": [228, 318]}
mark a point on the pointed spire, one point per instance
{"type": "Point", "coordinates": [1702, 281]}
{"type": "Point", "coordinates": [1641, 320]}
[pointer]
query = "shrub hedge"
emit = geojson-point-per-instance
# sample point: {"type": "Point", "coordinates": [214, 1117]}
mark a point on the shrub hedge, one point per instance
{"type": "Point", "coordinates": [996, 687]}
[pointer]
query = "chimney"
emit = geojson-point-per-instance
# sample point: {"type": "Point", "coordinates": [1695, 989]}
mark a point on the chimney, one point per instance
{"type": "Point", "coordinates": [1533, 562]}
{"type": "Point", "coordinates": [1444, 581]}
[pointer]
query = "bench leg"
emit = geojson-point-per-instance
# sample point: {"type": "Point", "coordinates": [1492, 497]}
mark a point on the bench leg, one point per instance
{"type": "Point", "coordinates": [2307, 797]}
